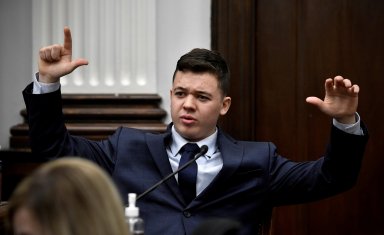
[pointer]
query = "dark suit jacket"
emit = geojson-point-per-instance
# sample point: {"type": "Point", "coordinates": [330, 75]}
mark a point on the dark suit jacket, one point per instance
{"type": "Point", "coordinates": [253, 180]}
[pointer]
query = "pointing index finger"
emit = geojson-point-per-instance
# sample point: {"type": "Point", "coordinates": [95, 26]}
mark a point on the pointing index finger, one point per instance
{"type": "Point", "coordinates": [67, 39]}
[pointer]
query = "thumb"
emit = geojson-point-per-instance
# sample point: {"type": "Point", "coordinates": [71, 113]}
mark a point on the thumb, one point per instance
{"type": "Point", "coordinates": [314, 101]}
{"type": "Point", "coordinates": [78, 62]}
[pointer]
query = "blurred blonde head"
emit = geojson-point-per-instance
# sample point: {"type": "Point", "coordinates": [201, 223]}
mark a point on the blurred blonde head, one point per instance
{"type": "Point", "coordinates": [69, 196]}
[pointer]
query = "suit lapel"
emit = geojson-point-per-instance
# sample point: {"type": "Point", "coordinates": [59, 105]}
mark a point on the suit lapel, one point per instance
{"type": "Point", "coordinates": [232, 155]}
{"type": "Point", "coordinates": [157, 146]}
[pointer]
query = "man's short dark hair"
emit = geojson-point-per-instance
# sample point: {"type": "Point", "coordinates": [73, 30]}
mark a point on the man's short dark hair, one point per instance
{"type": "Point", "coordinates": [201, 60]}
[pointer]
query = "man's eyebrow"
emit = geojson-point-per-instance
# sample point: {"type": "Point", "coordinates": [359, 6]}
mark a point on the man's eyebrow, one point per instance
{"type": "Point", "coordinates": [198, 92]}
{"type": "Point", "coordinates": [202, 92]}
{"type": "Point", "coordinates": [179, 88]}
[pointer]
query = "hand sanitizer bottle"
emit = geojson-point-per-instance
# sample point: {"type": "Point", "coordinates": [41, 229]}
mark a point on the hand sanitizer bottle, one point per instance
{"type": "Point", "coordinates": [135, 223]}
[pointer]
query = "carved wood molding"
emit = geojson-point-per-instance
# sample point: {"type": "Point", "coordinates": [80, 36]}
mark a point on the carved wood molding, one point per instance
{"type": "Point", "coordinates": [96, 116]}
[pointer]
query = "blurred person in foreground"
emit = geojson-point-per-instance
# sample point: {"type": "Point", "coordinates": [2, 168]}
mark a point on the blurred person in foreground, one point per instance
{"type": "Point", "coordinates": [68, 196]}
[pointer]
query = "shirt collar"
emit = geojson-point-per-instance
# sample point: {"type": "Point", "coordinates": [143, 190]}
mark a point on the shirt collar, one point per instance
{"type": "Point", "coordinates": [178, 142]}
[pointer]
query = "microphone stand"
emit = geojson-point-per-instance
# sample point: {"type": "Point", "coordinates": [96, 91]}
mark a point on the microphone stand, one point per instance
{"type": "Point", "coordinates": [203, 150]}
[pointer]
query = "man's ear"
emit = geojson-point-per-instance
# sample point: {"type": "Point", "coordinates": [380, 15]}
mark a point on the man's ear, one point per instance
{"type": "Point", "coordinates": [225, 105]}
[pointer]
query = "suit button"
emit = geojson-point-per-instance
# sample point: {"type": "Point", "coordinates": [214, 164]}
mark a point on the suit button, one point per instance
{"type": "Point", "coordinates": [187, 214]}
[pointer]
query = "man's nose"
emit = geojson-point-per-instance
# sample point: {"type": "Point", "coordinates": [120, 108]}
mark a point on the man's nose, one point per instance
{"type": "Point", "coordinates": [189, 101]}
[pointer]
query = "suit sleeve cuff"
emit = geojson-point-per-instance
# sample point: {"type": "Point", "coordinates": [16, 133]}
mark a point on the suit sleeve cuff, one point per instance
{"type": "Point", "coordinates": [354, 128]}
{"type": "Point", "coordinates": [42, 88]}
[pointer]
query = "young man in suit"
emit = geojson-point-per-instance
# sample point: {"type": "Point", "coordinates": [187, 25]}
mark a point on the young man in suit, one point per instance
{"type": "Point", "coordinates": [238, 180]}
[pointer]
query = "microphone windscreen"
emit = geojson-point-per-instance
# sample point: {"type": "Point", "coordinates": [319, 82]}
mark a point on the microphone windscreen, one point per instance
{"type": "Point", "coordinates": [204, 149]}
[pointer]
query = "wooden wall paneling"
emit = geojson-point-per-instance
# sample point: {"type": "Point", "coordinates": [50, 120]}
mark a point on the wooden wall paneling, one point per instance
{"type": "Point", "coordinates": [299, 44]}
{"type": "Point", "coordinates": [233, 35]}
{"type": "Point", "coordinates": [279, 96]}
{"type": "Point", "coordinates": [342, 37]}
{"type": "Point", "coordinates": [320, 55]}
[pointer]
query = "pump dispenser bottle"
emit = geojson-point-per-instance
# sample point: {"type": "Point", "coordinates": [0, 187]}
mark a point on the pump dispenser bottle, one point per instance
{"type": "Point", "coordinates": [135, 223]}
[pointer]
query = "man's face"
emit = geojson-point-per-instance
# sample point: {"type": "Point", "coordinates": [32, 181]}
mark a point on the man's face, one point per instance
{"type": "Point", "coordinates": [196, 104]}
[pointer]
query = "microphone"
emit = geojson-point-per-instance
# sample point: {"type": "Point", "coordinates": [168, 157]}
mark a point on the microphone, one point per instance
{"type": "Point", "coordinates": [203, 150]}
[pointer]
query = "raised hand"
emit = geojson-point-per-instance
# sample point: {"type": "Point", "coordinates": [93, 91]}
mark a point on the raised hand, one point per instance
{"type": "Point", "coordinates": [341, 99]}
{"type": "Point", "coordinates": [56, 61]}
